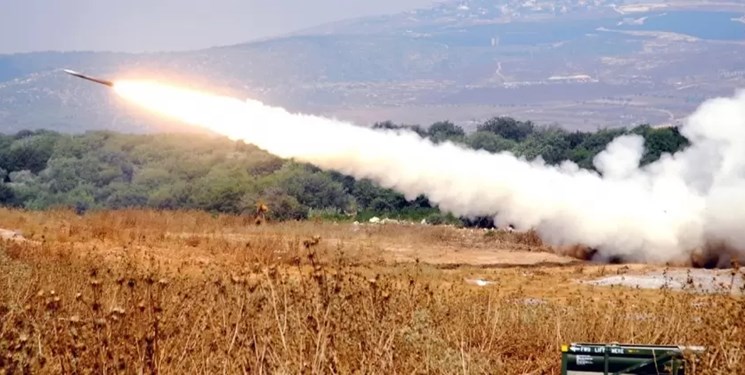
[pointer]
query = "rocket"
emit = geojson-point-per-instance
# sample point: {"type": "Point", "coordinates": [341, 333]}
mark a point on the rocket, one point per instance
{"type": "Point", "coordinates": [83, 76]}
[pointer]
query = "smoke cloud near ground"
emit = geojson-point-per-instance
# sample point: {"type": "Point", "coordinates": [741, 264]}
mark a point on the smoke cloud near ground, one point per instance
{"type": "Point", "coordinates": [687, 205]}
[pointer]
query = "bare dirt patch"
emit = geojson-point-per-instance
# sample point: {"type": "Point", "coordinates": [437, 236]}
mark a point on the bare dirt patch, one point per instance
{"type": "Point", "coordinates": [14, 236]}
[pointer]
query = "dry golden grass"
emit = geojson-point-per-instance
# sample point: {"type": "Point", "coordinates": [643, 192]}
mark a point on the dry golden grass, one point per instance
{"type": "Point", "coordinates": [158, 292]}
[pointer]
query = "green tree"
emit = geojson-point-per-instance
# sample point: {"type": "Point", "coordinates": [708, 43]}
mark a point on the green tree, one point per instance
{"type": "Point", "coordinates": [152, 177]}
{"type": "Point", "coordinates": [658, 141]}
{"type": "Point", "coordinates": [28, 153]}
{"type": "Point", "coordinates": [178, 195]}
{"type": "Point", "coordinates": [222, 190]}
{"type": "Point", "coordinates": [508, 128]}
{"type": "Point", "coordinates": [370, 196]}
{"type": "Point", "coordinates": [446, 131]}
{"type": "Point", "coordinates": [491, 142]}
{"type": "Point", "coordinates": [7, 195]}
{"type": "Point", "coordinates": [317, 190]}
{"type": "Point", "coordinates": [283, 206]}
{"type": "Point", "coordinates": [550, 144]}
{"type": "Point", "coordinates": [389, 125]}
{"type": "Point", "coordinates": [126, 196]}
{"type": "Point", "coordinates": [593, 144]}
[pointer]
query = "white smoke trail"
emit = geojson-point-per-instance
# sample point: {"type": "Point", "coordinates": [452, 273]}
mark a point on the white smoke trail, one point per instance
{"type": "Point", "coordinates": [659, 213]}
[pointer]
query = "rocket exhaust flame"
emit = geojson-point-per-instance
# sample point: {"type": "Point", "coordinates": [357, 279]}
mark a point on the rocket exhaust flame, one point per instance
{"type": "Point", "coordinates": [665, 212]}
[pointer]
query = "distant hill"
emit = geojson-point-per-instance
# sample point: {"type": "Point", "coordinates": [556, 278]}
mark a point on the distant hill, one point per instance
{"type": "Point", "coordinates": [583, 65]}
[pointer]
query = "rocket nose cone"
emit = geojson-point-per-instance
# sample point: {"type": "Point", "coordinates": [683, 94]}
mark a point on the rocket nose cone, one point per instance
{"type": "Point", "coordinates": [92, 79]}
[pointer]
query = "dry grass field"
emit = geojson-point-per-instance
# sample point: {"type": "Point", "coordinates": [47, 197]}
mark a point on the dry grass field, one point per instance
{"type": "Point", "coordinates": [163, 292]}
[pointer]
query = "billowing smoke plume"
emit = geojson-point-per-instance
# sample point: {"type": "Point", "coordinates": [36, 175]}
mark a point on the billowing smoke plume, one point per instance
{"type": "Point", "coordinates": [690, 201]}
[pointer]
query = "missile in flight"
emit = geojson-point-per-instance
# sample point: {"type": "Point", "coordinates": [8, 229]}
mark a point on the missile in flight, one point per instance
{"type": "Point", "coordinates": [83, 76]}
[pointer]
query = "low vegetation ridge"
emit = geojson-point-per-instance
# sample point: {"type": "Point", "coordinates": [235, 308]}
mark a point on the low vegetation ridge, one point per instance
{"type": "Point", "coordinates": [107, 170]}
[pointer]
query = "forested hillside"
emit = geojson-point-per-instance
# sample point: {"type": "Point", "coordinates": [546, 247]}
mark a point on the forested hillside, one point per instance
{"type": "Point", "coordinates": [43, 169]}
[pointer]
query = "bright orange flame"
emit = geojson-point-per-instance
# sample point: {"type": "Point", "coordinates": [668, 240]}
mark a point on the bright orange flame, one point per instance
{"type": "Point", "coordinates": [189, 106]}
{"type": "Point", "coordinates": [272, 128]}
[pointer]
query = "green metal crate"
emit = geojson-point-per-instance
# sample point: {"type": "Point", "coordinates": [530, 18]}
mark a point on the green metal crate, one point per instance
{"type": "Point", "coordinates": [587, 359]}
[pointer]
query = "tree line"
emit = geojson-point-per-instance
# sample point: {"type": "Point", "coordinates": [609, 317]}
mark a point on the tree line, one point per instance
{"type": "Point", "coordinates": [106, 170]}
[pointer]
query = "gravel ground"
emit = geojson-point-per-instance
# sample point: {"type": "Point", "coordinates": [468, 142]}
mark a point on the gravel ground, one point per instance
{"type": "Point", "coordinates": [695, 280]}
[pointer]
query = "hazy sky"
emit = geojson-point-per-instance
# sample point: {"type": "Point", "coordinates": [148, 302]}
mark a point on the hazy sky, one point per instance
{"type": "Point", "coordinates": [153, 25]}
